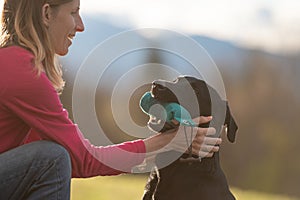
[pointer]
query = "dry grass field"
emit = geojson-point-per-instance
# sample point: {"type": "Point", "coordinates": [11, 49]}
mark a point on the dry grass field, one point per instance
{"type": "Point", "coordinates": [130, 187]}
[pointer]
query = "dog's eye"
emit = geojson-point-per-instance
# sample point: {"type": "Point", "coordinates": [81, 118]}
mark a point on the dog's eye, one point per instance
{"type": "Point", "coordinates": [159, 87]}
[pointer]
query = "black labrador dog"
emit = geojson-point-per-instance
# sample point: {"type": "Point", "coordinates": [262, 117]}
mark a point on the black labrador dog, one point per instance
{"type": "Point", "coordinates": [188, 177]}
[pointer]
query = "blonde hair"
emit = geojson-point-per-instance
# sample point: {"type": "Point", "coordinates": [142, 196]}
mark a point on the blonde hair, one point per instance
{"type": "Point", "coordinates": [22, 25]}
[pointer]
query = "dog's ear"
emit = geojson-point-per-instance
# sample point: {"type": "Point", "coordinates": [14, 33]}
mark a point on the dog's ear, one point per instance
{"type": "Point", "coordinates": [231, 125]}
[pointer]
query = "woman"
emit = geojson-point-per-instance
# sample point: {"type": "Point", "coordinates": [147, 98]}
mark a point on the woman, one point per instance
{"type": "Point", "coordinates": [33, 32]}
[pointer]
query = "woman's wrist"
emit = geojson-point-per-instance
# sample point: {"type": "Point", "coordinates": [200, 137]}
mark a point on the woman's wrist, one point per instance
{"type": "Point", "coordinates": [157, 143]}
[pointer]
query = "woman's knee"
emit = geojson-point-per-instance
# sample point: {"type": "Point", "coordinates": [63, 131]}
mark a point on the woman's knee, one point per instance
{"type": "Point", "coordinates": [51, 152]}
{"type": "Point", "coordinates": [40, 163]}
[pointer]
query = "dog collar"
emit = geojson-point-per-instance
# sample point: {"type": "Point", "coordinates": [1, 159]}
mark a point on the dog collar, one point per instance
{"type": "Point", "coordinates": [165, 111]}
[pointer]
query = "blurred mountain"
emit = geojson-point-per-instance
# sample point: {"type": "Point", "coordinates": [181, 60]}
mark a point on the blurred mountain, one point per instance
{"type": "Point", "coordinates": [224, 53]}
{"type": "Point", "coordinates": [227, 55]}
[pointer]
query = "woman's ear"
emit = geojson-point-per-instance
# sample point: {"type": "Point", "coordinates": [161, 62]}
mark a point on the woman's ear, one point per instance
{"type": "Point", "coordinates": [46, 14]}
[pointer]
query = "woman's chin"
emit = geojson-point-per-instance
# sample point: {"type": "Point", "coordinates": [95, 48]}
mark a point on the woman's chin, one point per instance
{"type": "Point", "coordinates": [62, 52]}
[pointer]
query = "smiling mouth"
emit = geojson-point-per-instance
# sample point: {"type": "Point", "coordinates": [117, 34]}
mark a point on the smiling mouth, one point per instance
{"type": "Point", "coordinates": [71, 37]}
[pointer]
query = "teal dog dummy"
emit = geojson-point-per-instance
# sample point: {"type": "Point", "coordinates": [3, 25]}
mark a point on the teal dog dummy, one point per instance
{"type": "Point", "coordinates": [167, 111]}
{"type": "Point", "coordinates": [170, 104]}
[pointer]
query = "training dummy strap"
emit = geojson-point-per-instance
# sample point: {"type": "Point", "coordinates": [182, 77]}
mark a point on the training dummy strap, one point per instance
{"type": "Point", "coordinates": [165, 111]}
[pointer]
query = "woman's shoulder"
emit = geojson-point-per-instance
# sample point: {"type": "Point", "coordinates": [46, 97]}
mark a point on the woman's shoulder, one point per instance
{"type": "Point", "coordinates": [16, 60]}
{"type": "Point", "coordinates": [18, 73]}
{"type": "Point", "coordinates": [15, 55]}
{"type": "Point", "coordinates": [15, 49]}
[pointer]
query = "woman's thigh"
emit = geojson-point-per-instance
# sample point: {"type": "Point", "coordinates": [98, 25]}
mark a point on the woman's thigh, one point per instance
{"type": "Point", "coordinates": [36, 170]}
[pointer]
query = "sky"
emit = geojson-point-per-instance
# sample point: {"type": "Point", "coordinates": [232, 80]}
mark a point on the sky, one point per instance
{"type": "Point", "coordinates": [272, 25]}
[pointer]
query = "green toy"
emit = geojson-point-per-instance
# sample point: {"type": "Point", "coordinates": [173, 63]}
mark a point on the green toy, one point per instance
{"type": "Point", "coordinates": [165, 111]}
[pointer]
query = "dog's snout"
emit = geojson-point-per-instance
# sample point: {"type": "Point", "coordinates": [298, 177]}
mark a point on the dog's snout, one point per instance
{"type": "Point", "coordinates": [164, 91]}
{"type": "Point", "coordinates": [157, 85]}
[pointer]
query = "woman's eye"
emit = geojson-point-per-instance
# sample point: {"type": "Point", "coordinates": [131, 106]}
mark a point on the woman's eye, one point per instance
{"type": "Point", "coordinates": [75, 12]}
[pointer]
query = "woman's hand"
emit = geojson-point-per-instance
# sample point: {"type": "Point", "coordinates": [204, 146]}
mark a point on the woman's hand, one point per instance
{"type": "Point", "coordinates": [202, 144]}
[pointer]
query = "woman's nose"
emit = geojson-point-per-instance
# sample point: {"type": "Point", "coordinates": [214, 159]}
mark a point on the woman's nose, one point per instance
{"type": "Point", "coordinates": [79, 25]}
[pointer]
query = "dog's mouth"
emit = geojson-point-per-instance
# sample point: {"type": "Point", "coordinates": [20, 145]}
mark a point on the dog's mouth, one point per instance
{"type": "Point", "coordinates": [164, 92]}
{"type": "Point", "coordinates": [158, 125]}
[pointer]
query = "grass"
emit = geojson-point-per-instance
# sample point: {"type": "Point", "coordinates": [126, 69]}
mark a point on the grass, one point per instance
{"type": "Point", "coordinates": [130, 187]}
{"type": "Point", "coordinates": [123, 187]}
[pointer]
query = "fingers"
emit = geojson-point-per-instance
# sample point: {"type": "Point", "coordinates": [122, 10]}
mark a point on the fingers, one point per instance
{"type": "Point", "coordinates": [203, 145]}
{"type": "Point", "coordinates": [205, 154]}
{"type": "Point", "coordinates": [207, 131]}
{"type": "Point", "coordinates": [201, 137]}
{"type": "Point", "coordinates": [209, 148]}
{"type": "Point", "coordinates": [212, 141]}
{"type": "Point", "coordinates": [206, 148]}
{"type": "Point", "coordinates": [202, 119]}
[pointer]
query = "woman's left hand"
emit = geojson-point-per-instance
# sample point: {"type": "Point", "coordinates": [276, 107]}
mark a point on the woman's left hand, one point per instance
{"type": "Point", "coordinates": [202, 144]}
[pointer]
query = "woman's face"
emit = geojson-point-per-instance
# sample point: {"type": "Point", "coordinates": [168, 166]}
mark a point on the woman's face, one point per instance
{"type": "Point", "coordinates": [62, 24]}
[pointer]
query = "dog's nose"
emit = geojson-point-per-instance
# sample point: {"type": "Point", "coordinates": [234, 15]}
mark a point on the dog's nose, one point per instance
{"type": "Point", "coordinates": [158, 85]}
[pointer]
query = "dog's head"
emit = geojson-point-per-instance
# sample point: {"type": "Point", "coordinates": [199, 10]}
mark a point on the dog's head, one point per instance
{"type": "Point", "coordinates": [190, 96]}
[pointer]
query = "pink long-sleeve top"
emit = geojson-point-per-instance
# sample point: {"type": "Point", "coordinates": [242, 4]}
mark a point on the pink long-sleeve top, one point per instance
{"type": "Point", "coordinates": [29, 104]}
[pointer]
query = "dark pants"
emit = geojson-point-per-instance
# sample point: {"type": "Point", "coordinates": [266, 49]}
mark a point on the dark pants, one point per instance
{"type": "Point", "coordinates": [39, 170]}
